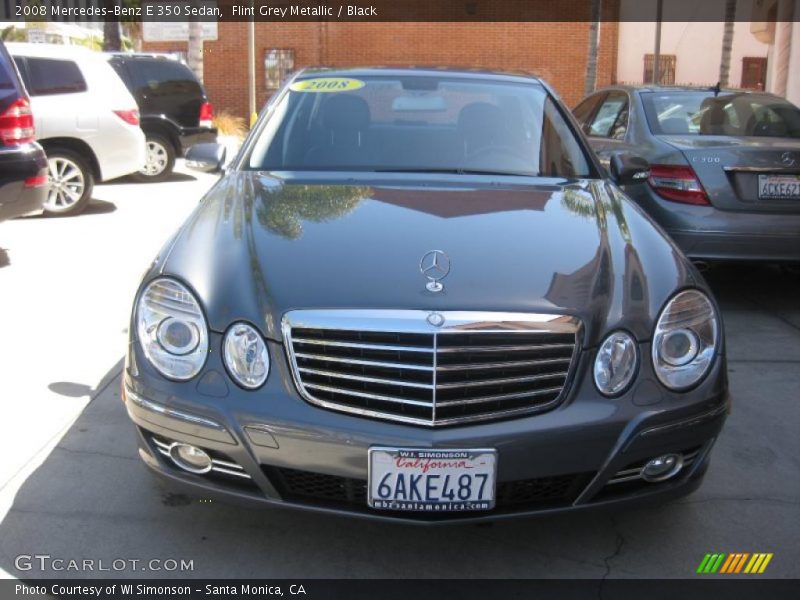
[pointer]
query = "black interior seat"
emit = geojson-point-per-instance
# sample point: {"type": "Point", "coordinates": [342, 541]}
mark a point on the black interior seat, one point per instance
{"type": "Point", "coordinates": [675, 126]}
{"type": "Point", "coordinates": [482, 126]}
{"type": "Point", "coordinates": [345, 121]}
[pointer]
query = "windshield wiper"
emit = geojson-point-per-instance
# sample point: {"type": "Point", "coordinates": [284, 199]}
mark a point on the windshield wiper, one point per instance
{"type": "Point", "coordinates": [454, 171]}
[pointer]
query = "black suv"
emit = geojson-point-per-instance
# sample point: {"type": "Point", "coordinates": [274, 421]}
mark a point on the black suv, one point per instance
{"type": "Point", "coordinates": [174, 109]}
{"type": "Point", "coordinates": [23, 164]}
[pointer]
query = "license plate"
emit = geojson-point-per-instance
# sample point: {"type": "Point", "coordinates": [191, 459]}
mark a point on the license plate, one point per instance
{"type": "Point", "coordinates": [432, 480]}
{"type": "Point", "coordinates": [779, 187]}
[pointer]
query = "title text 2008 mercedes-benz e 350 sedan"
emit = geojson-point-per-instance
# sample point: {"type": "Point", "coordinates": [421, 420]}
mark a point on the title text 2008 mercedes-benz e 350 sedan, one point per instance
{"type": "Point", "coordinates": [414, 296]}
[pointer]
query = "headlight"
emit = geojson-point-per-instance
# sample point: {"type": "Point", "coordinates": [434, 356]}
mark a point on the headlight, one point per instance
{"type": "Point", "coordinates": [246, 355]}
{"type": "Point", "coordinates": [172, 329]}
{"type": "Point", "coordinates": [685, 340]}
{"type": "Point", "coordinates": [615, 364]}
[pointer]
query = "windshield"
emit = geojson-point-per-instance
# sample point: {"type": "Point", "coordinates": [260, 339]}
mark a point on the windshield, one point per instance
{"type": "Point", "coordinates": [417, 124]}
{"type": "Point", "coordinates": [702, 113]}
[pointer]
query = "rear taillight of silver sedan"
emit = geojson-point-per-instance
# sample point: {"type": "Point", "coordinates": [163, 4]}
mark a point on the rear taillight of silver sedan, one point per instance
{"type": "Point", "coordinates": [677, 183]}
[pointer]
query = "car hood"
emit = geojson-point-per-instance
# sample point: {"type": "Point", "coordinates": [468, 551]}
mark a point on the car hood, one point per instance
{"type": "Point", "coordinates": [258, 246]}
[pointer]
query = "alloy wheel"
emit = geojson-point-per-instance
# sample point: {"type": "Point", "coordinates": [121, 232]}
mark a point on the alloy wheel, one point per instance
{"type": "Point", "coordinates": [67, 184]}
{"type": "Point", "coordinates": [156, 159]}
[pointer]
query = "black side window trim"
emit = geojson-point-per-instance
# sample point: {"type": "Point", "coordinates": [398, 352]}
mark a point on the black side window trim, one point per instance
{"type": "Point", "coordinates": [22, 67]}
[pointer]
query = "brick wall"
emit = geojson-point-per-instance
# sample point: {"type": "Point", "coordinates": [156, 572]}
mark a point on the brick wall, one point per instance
{"type": "Point", "coordinates": [555, 51]}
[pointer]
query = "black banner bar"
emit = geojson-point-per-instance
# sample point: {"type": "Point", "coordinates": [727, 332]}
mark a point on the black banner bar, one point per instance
{"type": "Point", "coordinates": [379, 10]}
{"type": "Point", "coordinates": [733, 587]}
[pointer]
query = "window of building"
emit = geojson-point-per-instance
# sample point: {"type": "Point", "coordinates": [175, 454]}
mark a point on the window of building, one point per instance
{"type": "Point", "coordinates": [278, 63]}
{"type": "Point", "coordinates": [666, 69]}
{"type": "Point", "coordinates": [754, 72]}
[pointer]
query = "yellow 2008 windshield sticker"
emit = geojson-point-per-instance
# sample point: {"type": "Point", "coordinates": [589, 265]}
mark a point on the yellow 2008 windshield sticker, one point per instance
{"type": "Point", "coordinates": [327, 84]}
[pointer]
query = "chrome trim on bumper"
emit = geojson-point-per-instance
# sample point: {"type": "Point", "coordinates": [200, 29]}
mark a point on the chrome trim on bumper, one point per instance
{"type": "Point", "coordinates": [635, 473]}
{"type": "Point", "coordinates": [707, 416]}
{"type": "Point", "coordinates": [160, 409]}
{"type": "Point", "coordinates": [217, 466]}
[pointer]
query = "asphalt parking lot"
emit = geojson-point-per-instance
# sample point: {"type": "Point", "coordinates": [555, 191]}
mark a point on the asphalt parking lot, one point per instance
{"type": "Point", "coordinates": [73, 487]}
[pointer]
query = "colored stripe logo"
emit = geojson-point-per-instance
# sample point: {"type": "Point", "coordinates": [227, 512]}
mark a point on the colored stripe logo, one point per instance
{"type": "Point", "coordinates": [737, 562]}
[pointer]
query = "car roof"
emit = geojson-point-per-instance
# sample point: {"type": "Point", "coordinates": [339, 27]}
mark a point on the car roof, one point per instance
{"type": "Point", "coordinates": [50, 50]}
{"type": "Point", "coordinates": [422, 71]}
{"type": "Point", "coordinates": [139, 55]}
{"type": "Point", "coordinates": [677, 88]}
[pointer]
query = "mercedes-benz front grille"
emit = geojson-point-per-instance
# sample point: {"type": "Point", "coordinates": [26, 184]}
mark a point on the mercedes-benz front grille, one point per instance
{"type": "Point", "coordinates": [431, 368]}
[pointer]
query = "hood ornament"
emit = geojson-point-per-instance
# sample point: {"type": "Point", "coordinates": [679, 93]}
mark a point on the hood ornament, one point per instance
{"type": "Point", "coordinates": [435, 319]}
{"type": "Point", "coordinates": [435, 265]}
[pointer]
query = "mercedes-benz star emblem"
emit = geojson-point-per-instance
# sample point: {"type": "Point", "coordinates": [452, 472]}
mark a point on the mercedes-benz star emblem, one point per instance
{"type": "Point", "coordinates": [788, 159]}
{"type": "Point", "coordinates": [435, 265]}
{"type": "Point", "coordinates": [436, 319]}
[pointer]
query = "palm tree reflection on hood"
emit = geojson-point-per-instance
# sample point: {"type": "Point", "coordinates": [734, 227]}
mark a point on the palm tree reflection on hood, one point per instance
{"type": "Point", "coordinates": [608, 201]}
{"type": "Point", "coordinates": [585, 204]}
{"type": "Point", "coordinates": [283, 209]}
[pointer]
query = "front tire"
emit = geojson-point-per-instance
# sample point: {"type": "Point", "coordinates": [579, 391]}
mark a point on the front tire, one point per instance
{"type": "Point", "coordinates": [160, 160]}
{"type": "Point", "coordinates": [71, 182]}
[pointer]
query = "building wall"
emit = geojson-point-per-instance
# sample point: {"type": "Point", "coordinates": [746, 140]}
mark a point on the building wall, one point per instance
{"type": "Point", "coordinates": [793, 83]}
{"type": "Point", "coordinates": [697, 47]}
{"type": "Point", "coordinates": [556, 51]}
{"type": "Point", "coordinates": [784, 38]}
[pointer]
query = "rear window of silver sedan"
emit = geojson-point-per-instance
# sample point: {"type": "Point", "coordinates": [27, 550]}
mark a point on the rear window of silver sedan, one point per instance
{"type": "Point", "coordinates": [703, 113]}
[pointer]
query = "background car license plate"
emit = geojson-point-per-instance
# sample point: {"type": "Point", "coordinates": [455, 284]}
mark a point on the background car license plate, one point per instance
{"type": "Point", "coordinates": [779, 187]}
{"type": "Point", "coordinates": [432, 480]}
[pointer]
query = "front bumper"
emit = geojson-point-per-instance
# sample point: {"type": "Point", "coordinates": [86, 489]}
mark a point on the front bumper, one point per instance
{"type": "Point", "coordinates": [283, 451]}
{"type": "Point", "coordinates": [17, 165]}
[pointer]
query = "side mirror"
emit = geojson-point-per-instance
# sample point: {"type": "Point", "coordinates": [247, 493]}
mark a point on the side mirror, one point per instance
{"type": "Point", "coordinates": [628, 168]}
{"type": "Point", "coordinates": [207, 157]}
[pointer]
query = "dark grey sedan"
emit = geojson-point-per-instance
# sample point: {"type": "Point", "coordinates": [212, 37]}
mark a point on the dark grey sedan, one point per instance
{"type": "Point", "coordinates": [725, 180]}
{"type": "Point", "coordinates": [414, 295]}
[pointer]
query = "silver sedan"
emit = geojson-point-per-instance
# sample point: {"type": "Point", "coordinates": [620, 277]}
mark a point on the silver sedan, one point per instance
{"type": "Point", "coordinates": [725, 166]}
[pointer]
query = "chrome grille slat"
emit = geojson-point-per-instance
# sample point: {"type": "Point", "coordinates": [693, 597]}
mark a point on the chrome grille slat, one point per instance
{"type": "Point", "coordinates": [371, 363]}
{"type": "Point", "coordinates": [381, 380]}
{"type": "Point", "coordinates": [504, 365]}
{"type": "Point", "coordinates": [482, 399]}
{"type": "Point", "coordinates": [362, 346]}
{"type": "Point", "coordinates": [380, 397]}
{"type": "Point", "coordinates": [531, 348]}
{"type": "Point", "coordinates": [500, 381]}
{"type": "Point", "coordinates": [393, 364]}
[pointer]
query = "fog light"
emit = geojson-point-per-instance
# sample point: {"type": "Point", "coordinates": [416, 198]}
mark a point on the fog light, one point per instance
{"type": "Point", "coordinates": [662, 467]}
{"type": "Point", "coordinates": [190, 458]}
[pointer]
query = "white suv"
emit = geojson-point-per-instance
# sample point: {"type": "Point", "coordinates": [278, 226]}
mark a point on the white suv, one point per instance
{"type": "Point", "coordinates": [85, 118]}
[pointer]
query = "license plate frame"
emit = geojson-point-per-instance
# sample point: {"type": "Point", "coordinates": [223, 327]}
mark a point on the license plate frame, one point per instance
{"type": "Point", "coordinates": [441, 462]}
{"type": "Point", "coordinates": [793, 181]}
